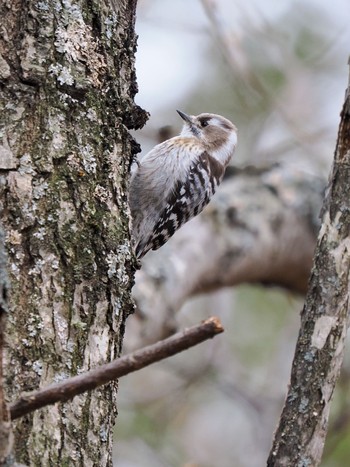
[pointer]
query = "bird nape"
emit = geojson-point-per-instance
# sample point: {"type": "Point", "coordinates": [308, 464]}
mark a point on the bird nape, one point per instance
{"type": "Point", "coordinates": [177, 178]}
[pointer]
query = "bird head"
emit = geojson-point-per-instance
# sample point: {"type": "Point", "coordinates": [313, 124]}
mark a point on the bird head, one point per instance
{"type": "Point", "coordinates": [217, 134]}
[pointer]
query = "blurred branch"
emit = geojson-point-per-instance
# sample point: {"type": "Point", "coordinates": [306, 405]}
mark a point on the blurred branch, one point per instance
{"type": "Point", "coordinates": [71, 387]}
{"type": "Point", "coordinates": [260, 228]}
{"type": "Point", "coordinates": [300, 436]}
{"type": "Point", "coordinates": [235, 58]}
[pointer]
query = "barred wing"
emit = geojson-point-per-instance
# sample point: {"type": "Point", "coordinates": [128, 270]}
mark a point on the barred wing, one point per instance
{"type": "Point", "coordinates": [187, 199]}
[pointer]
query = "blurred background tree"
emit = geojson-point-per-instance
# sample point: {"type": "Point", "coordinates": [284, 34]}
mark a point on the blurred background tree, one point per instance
{"type": "Point", "coordinates": [279, 74]}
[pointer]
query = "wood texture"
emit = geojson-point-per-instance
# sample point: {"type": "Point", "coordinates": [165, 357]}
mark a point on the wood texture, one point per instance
{"type": "Point", "coordinates": [67, 87]}
{"type": "Point", "coordinates": [300, 437]}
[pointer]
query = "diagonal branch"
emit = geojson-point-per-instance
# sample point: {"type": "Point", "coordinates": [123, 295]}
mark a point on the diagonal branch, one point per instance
{"type": "Point", "coordinates": [71, 387]}
{"type": "Point", "coordinates": [300, 436]}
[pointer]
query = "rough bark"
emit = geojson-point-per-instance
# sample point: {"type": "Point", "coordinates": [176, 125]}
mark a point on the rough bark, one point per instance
{"type": "Point", "coordinates": [260, 227]}
{"type": "Point", "coordinates": [299, 439]}
{"type": "Point", "coordinates": [67, 87]}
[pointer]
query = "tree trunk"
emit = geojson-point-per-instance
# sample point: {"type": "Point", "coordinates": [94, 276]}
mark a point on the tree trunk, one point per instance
{"type": "Point", "coordinates": [67, 87]}
{"type": "Point", "coordinates": [319, 353]}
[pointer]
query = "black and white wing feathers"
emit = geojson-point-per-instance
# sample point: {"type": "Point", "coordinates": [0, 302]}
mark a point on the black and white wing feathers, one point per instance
{"type": "Point", "coordinates": [186, 200]}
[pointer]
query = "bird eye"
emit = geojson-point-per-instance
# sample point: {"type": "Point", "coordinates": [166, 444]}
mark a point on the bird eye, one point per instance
{"type": "Point", "coordinates": [205, 123]}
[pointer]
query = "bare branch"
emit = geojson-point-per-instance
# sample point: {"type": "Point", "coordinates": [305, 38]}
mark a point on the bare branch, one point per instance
{"type": "Point", "coordinates": [300, 436]}
{"type": "Point", "coordinates": [71, 387]}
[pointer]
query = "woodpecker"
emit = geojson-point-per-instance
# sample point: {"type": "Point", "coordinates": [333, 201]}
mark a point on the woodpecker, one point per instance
{"type": "Point", "coordinates": [177, 178]}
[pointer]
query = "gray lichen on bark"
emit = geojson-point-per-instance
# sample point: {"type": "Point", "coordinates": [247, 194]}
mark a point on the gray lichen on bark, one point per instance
{"type": "Point", "coordinates": [67, 88]}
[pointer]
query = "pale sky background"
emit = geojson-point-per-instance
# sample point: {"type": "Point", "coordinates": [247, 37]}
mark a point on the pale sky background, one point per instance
{"type": "Point", "coordinates": [172, 55]}
{"type": "Point", "coordinates": [171, 34]}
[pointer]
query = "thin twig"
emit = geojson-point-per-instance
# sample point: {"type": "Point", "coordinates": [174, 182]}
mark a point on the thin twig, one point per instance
{"type": "Point", "coordinates": [65, 390]}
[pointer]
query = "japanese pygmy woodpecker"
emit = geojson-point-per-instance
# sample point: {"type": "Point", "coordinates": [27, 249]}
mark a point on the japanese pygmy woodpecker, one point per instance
{"type": "Point", "coordinates": [177, 178]}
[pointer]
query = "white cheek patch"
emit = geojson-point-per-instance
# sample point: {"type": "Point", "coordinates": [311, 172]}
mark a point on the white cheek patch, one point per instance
{"type": "Point", "coordinates": [214, 121]}
{"type": "Point", "coordinates": [186, 132]}
{"type": "Point", "coordinates": [189, 131]}
{"type": "Point", "coordinates": [232, 141]}
{"type": "Point", "coordinates": [225, 152]}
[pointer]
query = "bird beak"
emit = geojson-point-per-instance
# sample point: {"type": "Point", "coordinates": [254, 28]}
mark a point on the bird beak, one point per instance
{"type": "Point", "coordinates": [185, 117]}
